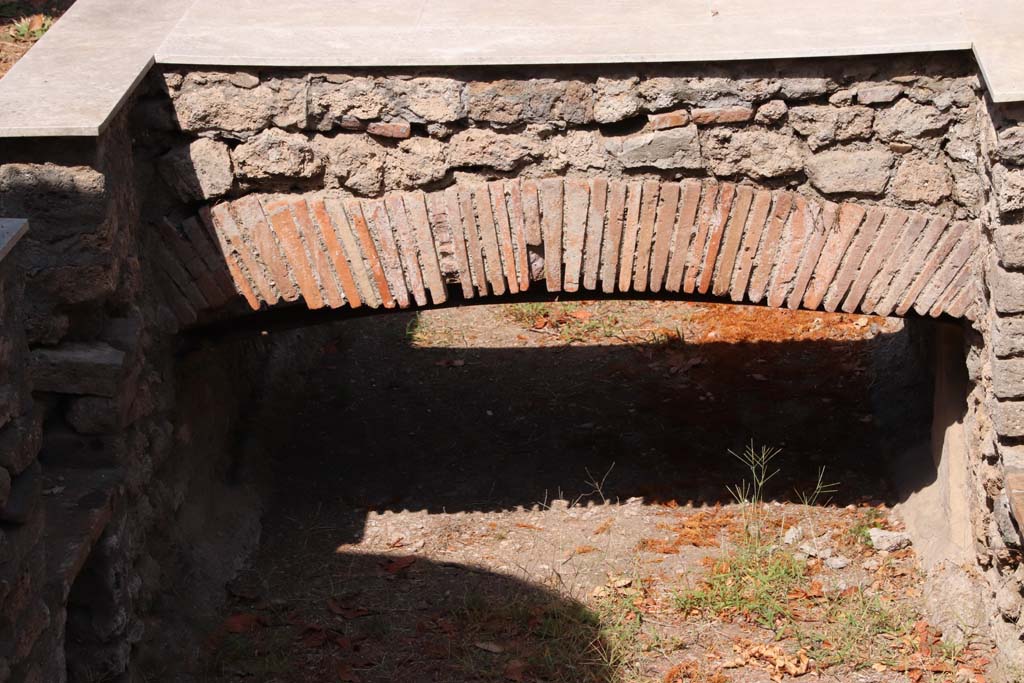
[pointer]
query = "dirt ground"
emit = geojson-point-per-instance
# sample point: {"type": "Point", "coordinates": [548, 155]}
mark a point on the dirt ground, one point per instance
{"type": "Point", "coordinates": [22, 23]}
{"type": "Point", "coordinates": [541, 492]}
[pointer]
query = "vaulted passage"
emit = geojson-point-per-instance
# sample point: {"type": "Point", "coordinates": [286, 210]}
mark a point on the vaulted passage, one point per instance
{"type": "Point", "coordinates": [735, 242]}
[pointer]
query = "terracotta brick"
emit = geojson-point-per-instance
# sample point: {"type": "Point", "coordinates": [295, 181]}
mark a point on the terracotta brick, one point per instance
{"type": "Point", "coordinates": [381, 227]}
{"type": "Point", "coordinates": [664, 225]}
{"type": "Point", "coordinates": [682, 233]}
{"type": "Point", "coordinates": [328, 233]}
{"type": "Point", "coordinates": [751, 239]}
{"type": "Point", "coordinates": [950, 266]}
{"type": "Point", "coordinates": [731, 240]}
{"type": "Point", "coordinates": [613, 235]}
{"type": "Point", "coordinates": [231, 241]}
{"type": "Point", "coordinates": [321, 261]}
{"type": "Point", "coordinates": [489, 239]}
{"type": "Point", "coordinates": [281, 220]}
{"type": "Point", "coordinates": [215, 263]}
{"type": "Point", "coordinates": [912, 265]}
{"type": "Point", "coordinates": [358, 266]}
{"type": "Point", "coordinates": [595, 232]}
{"type": "Point", "coordinates": [963, 304]}
{"type": "Point", "coordinates": [669, 119]}
{"type": "Point", "coordinates": [182, 251]}
{"type": "Point", "coordinates": [894, 222]}
{"type": "Point", "coordinates": [531, 214]}
{"type": "Point", "coordinates": [931, 266]}
{"type": "Point", "coordinates": [693, 261]}
{"type": "Point", "coordinates": [354, 209]}
{"type": "Point", "coordinates": [824, 221]}
{"type": "Point", "coordinates": [410, 269]}
{"type": "Point", "coordinates": [390, 129]}
{"type": "Point", "coordinates": [473, 246]}
{"type": "Point", "coordinates": [717, 115]}
{"type": "Point", "coordinates": [503, 227]}
{"type": "Point", "coordinates": [551, 209]}
{"type": "Point", "coordinates": [630, 230]}
{"type": "Point", "coordinates": [577, 205]}
{"type": "Point", "coordinates": [797, 228]}
{"type": "Point", "coordinates": [965, 277]}
{"type": "Point", "coordinates": [726, 195]}
{"type": "Point", "coordinates": [836, 242]}
{"type": "Point", "coordinates": [258, 233]}
{"type": "Point", "coordinates": [645, 235]}
{"type": "Point", "coordinates": [866, 236]}
{"type": "Point", "coordinates": [768, 252]}
{"type": "Point", "coordinates": [517, 219]}
{"type": "Point", "coordinates": [894, 260]}
{"type": "Point", "coordinates": [416, 210]}
{"type": "Point", "coordinates": [453, 215]}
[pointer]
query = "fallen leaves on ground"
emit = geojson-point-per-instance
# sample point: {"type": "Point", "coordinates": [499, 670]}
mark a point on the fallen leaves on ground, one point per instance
{"type": "Point", "coordinates": [244, 622]}
{"type": "Point", "coordinates": [770, 657]}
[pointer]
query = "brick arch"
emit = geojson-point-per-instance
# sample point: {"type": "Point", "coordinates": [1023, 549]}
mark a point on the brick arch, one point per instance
{"type": "Point", "coordinates": [697, 237]}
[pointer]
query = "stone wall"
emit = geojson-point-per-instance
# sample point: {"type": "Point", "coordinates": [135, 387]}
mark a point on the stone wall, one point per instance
{"type": "Point", "coordinates": [137, 433]}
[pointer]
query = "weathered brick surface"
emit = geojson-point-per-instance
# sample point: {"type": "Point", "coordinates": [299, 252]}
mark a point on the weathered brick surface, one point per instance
{"type": "Point", "coordinates": [728, 240]}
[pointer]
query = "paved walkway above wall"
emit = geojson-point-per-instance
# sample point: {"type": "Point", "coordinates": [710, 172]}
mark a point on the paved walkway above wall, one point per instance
{"type": "Point", "coordinates": [77, 77]}
{"type": "Point", "coordinates": [692, 237]}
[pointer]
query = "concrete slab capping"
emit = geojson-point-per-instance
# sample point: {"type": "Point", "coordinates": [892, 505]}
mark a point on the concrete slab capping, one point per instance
{"type": "Point", "coordinates": [81, 72]}
{"type": "Point", "coordinates": [11, 230]}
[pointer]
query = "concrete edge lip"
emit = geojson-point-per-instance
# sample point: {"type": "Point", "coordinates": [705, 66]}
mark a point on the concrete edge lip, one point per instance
{"type": "Point", "coordinates": [80, 74]}
{"type": "Point", "coordinates": [11, 230]}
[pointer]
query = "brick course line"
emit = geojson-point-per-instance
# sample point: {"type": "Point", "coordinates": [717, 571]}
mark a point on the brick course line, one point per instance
{"type": "Point", "coordinates": [957, 246]}
{"type": "Point", "coordinates": [531, 211]}
{"type": "Point", "coordinates": [762, 205]}
{"type": "Point", "coordinates": [824, 221]}
{"type": "Point", "coordinates": [473, 246]}
{"type": "Point", "coordinates": [321, 260]}
{"type": "Point", "coordinates": [264, 244]}
{"type": "Point", "coordinates": [328, 232]}
{"type": "Point", "coordinates": [202, 242]}
{"type": "Point", "coordinates": [280, 216]}
{"type": "Point", "coordinates": [963, 278]}
{"type": "Point", "coordinates": [577, 207]}
{"type": "Point", "coordinates": [964, 304]}
{"type": "Point", "coordinates": [395, 224]}
{"type": "Point", "coordinates": [354, 209]}
{"type": "Point", "coordinates": [645, 233]}
{"type": "Point", "coordinates": [731, 240]}
{"type": "Point", "coordinates": [228, 234]}
{"type": "Point", "coordinates": [193, 264]}
{"type": "Point", "coordinates": [380, 225]}
{"type": "Point", "coordinates": [551, 219]}
{"type": "Point", "coordinates": [682, 233]}
{"type": "Point", "coordinates": [517, 219]}
{"type": "Point", "coordinates": [896, 259]}
{"type": "Point", "coordinates": [853, 259]}
{"type": "Point", "coordinates": [630, 230]}
{"type": "Point", "coordinates": [350, 245]}
{"type": "Point", "coordinates": [503, 226]}
{"type": "Point", "coordinates": [696, 253]}
{"type": "Point", "coordinates": [416, 211]}
{"type": "Point", "coordinates": [489, 239]}
{"type": "Point", "coordinates": [180, 278]}
{"type": "Point", "coordinates": [793, 240]}
{"type": "Point", "coordinates": [453, 215]}
{"type": "Point", "coordinates": [726, 198]}
{"type": "Point", "coordinates": [894, 222]}
{"type": "Point", "coordinates": [613, 235]}
{"type": "Point", "coordinates": [663, 226]}
{"type": "Point", "coordinates": [911, 267]}
{"type": "Point", "coordinates": [769, 249]}
{"type": "Point", "coordinates": [836, 244]}
{"type": "Point", "coordinates": [595, 232]}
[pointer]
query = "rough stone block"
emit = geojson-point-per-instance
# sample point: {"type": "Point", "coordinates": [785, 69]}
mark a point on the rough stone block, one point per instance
{"type": "Point", "coordinates": [879, 94]}
{"type": "Point", "coordinates": [771, 112]}
{"type": "Point", "coordinates": [919, 180]}
{"type": "Point", "coordinates": [755, 152]}
{"type": "Point", "coordinates": [1009, 186]}
{"type": "Point", "coordinates": [839, 171]}
{"type": "Point", "coordinates": [673, 148]}
{"type": "Point", "coordinates": [1014, 479]}
{"type": "Point", "coordinates": [1009, 243]}
{"type": "Point", "coordinates": [1008, 418]}
{"type": "Point", "coordinates": [78, 368]}
{"type": "Point", "coordinates": [1008, 377]}
{"type": "Point", "coordinates": [5, 488]}
{"type": "Point", "coordinates": [824, 125]}
{"type": "Point", "coordinates": [275, 153]}
{"type": "Point", "coordinates": [200, 170]}
{"type": "Point", "coordinates": [1008, 337]}
{"type": "Point", "coordinates": [20, 440]}
{"type": "Point", "coordinates": [25, 496]}
{"type": "Point", "coordinates": [1007, 290]}
{"type": "Point", "coordinates": [909, 121]}
{"type": "Point", "coordinates": [1010, 145]}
